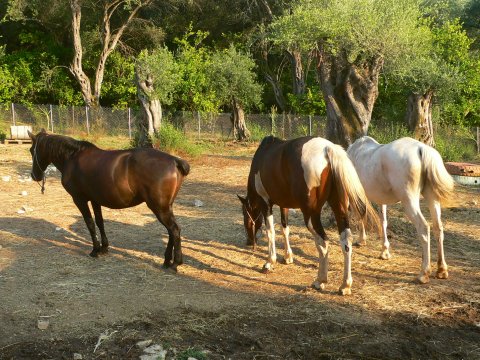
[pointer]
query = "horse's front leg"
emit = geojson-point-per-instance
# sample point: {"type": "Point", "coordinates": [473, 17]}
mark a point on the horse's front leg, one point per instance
{"type": "Point", "coordinates": [286, 234]}
{"type": "Point", "coordinates": [97, 211]}
{"type": "Point", "coordinates": [385, 255]}
{"type": "Point", "coordinates": [272, 253]}
{"type": "Point", "coordinates": [82, 205]}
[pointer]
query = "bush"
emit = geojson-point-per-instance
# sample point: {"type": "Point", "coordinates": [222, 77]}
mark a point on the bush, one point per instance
{"type": "Point", "coordinates": [172, 140]}
{"type": "Point", "coordinates": [3, 136]}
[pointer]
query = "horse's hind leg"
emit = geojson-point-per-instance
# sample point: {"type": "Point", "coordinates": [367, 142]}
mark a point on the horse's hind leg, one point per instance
{"type": "Point", "coordinates": [412, 209]}
{"type": "Point", "coordinates": [436, 211]}
{"type": "Point", "coordinates": [82, 205]}
{"type": "Point", "coordinates": [385, 255]}
{"type": "Point", "coordinates": [97, 211]}
{"type": "Point", "coordinates": [272, 252]}
{"type": "Point", "coordinates": [286, 234]}
{"type": "Point", "coordinates": [314, 225]}
{"type": "Point", "coordinates": [174, 247]}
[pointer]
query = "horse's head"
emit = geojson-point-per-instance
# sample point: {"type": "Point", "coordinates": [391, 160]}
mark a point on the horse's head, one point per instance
{"type": "Point", "coordinates": [39, 162]}
{"type": "Point", "coordinates": [252, 219]}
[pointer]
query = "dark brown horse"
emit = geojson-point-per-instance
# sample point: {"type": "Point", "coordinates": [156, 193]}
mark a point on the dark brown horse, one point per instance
{"type": "Point", "coordinates": [116, 179]}
{"type": "Point", "coordinates": [304, 173]}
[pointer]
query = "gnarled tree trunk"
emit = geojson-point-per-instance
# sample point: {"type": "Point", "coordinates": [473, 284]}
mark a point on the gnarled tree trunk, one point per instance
{"type": "Point", "coordinates": [298, 75]}
{"type": "Point", "coordinates": [239, 127]}
{"type": "Point", "coordinates": [350, 92]}
{"type": "Point", "coordinates": [419, 117]}
{"type": "Point", "coordinates": [152, 114]}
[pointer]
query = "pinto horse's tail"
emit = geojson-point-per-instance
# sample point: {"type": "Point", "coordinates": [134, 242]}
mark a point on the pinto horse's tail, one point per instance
{"type": "Point", "coordinates": [182, 166]}
{"type": "Point", "coordinates": [435, 174]}
{"type": "Point", "coordinates": [349, 185]}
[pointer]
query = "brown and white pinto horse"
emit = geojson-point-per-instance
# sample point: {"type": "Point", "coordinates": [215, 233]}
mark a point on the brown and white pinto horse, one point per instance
{"type": "Point", "coordinates": [116, 179]}
{"type": "Point", "coordinates": [304, 173]}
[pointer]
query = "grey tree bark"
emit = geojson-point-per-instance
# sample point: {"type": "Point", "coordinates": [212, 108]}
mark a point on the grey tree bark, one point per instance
{"type": "Point", "coordinates": [109, 40]}
{"type": "Point", "coordinates": [419, 117]}
{"type": "Point", "coordinates": [239, 127]}
{"type": "Point", "coordinates": [152, 114]}
{"type": "Point", "coordinates": [350, 91]}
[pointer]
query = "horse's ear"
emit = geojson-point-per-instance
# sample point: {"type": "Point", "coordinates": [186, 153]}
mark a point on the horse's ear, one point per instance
{"type": "Point", "coordinates": [30, 135]}
{"type": "Point", "coordinates": [43, 130]}
{"type": "Point", "coordinates": [243, 200]}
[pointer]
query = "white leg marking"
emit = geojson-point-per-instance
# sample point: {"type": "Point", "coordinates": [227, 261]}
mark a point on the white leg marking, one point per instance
{"type": "Point", "coordinates": [288, 250]}
{"type": "Point", "coordinates": [346, 245]}
{"type": "Point", "coordinates": [322, 247]}
{"type": "Point", "coordinates": [272, 255]}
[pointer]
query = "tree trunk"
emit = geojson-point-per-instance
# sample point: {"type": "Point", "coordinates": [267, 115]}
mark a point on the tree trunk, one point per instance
{"type": "Point", "coordinates": [109, 42]}
{"type": "Point", "coordinates": [419, 117]}
{"type": "Point", "coordinates": [152, 114]}
{"type": "Point", "coordinates": [239, 127]}
{"type": "Point", "coordinates": [350, 92]}
{"type": "Point", "coordinates": [298, 75]}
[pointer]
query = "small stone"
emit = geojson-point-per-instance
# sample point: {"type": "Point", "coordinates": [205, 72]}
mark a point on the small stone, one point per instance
{"type": "Point", "coordinates": [153, 349]}
{"type": "Point", "coordinates": [6, 178]}
{"type": "Point", "coordinates": [58, 228]}
{"type": "Point", "coordinates": [43, 324]}
{"type": "Point", "coordinates": [77, 356]}
{"type": "Point", "coordinates": [198, 203]}
{"type": "Point", "coordinates": [24, 193]}
{"type": "Point", "coordinates": [143, 344]}
{"type": "Point", "coordinates": [26, 208]}
{"type": "Point", "coordinates": [21, 211]}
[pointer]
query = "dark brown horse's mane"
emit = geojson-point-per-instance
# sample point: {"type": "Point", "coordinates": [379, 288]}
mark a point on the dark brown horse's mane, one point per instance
{"type": "Point", "coordinates": [62, 147]}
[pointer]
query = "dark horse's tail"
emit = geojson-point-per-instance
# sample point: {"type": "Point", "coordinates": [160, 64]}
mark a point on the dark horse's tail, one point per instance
{"type": "Point", "coordinates": [182, 166]}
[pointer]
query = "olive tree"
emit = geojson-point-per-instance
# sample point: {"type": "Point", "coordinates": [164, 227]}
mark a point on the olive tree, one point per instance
{"type": "Point", "coordinates": [234, 81]}
{"type": "Point", "coordinates": [354, 40]}
{"type": "Point", "coordinates": [156, 76]}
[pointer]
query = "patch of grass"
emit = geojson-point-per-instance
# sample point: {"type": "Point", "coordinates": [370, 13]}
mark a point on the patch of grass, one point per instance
{"type": "Point", "coordinates": [172, 140]}
{"type": "Point", "coordinates": [456, 144]}
{"type": "Point", "coordinates": [192, 352]}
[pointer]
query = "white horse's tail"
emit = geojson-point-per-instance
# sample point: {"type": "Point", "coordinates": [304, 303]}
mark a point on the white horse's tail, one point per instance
{"type": "Point", "coordinates": [435, 173]}
{"type": "Point", "coordinates": [348, 183]}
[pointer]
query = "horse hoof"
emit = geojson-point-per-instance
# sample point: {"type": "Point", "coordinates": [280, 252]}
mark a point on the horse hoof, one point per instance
{"type": "Point", "coordinates": [423, 279]}
{"type": "Point", "coordinates": [385, 255]}
{"type": "Point", "coordinates": [318, 285]}
{"type": "Point", "coordinates": [289, 259]}
{"type": "Point", "coordinates": [103, 250]}
{"type": "Point", "coordinates": [267, 268]}
{"type": "Point", "coordinates": [94, 253]}
{"type": "Point", "coordinates": [442, 274]}
{"type": "Point", "coordinates": [345, 291]}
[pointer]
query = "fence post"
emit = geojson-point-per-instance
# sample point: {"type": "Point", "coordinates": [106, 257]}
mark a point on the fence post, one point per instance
{"type": "Point", "coordinates": [86, 115]}
{"type": "Point", "coordinates": [129, 124]}
{"type": "Point", "coordinates": [199, 125]}
{"type": "Point", "coordinates": [478, 139]}
{"type": "Point", "coordinates": [51, 117]}
{"type": "Point", "coordinates": [310, 125]}
{"type": "Point", "coordinates": [13, 114]}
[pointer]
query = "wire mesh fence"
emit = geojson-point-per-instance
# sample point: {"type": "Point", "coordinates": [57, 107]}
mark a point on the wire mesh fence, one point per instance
{"type": "Point", "coordinates": [102, 121]}
{"type": "Point", "coordinates": [77, 120]}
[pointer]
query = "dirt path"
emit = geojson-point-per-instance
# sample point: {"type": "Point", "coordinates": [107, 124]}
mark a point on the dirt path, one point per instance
{"type": "Point", "coordinates": [219, 301]}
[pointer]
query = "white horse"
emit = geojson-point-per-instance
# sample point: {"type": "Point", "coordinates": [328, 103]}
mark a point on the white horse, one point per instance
{"type": "Point", "coordinates": [401, 171]}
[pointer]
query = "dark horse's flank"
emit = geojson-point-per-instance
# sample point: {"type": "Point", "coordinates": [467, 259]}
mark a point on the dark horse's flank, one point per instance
{"type": "Point", "coordinates": [304, 173]}
{"type": "Point", "coordinates": [116, 179]}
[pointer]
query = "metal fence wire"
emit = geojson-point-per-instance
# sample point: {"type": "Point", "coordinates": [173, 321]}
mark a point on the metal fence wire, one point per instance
{"type": "Point", "coordinates": [80, 121]}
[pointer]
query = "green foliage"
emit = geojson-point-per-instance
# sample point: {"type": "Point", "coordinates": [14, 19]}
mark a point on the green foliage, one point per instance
{"type": "Point", "coordinates": [3, 136]}
{"type": "Point", "coordinates": [455, 144]}
{"type": "Point", "coordinates": [160, 67]}
{"type": "Point", "coordinates": [358, 30]}
{"type": "Point", "coordinates": [389, 132]}
{"type": "Point", "coordinates": [310, 103]}
{"type": "Point", "coordinates": [195, 92]}
{"type": "Point", "coordinates": [172, 140]}
{"type": "Point", "coordinates": [232, 76]}
{"type": "Point", "coordinates": [192, 353]}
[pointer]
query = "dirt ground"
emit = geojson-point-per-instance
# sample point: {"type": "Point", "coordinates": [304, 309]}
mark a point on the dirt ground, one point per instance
{"type": "Point", "coordinates": [219, 302]}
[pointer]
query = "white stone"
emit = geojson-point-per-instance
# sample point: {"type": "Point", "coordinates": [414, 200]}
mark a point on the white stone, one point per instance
{"type": "Point", "coordinates": [77, 356]}
{"type": "Point", "coordinates": [153, 349]}
{"type": "Point", "coordinates": [43, 324]}
{"type": "Point", "coordinates": [198, 203]}
{"type": "Point", "coordinates": [24, 193]}
{"type": "Point", "coordinates": [6, 178]}
{"type": "Point", "coordinates": [142, 344]}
